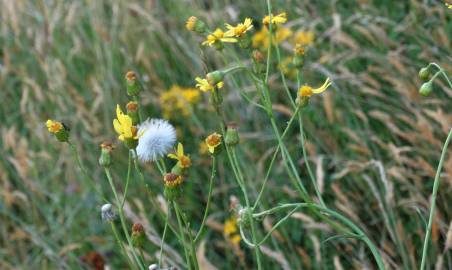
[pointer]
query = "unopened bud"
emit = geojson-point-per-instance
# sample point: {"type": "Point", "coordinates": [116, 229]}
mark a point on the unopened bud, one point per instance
{"type": "Point", "coordinates": [426, 88]}
{"type": "Point", "coordinates": [133, 85]}
{"type": "Point", "coordinates": [132, 111]}
{"type": "Point", "coordinates": [138, 235]}
{"type": "Point", "coordinates": [232, 135]}
{"type": "Point", "coordinates": [215, 77]}
{"type": "Point", "coordinates": [245, 216]}
{"type": "Point", "coordinates": [105, 154]}
{"type": "Point", "coordinates": [196, 25]}
{"type": "Point", "coordinates": [424, 74]}
{"type": "Point", "coordinates": [245, 42]}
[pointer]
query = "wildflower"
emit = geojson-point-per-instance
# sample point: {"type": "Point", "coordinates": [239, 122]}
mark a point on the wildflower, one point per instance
{"type": "Point", "coordinates": [304, 38]}
{"type": "Point", "coordinates": [232, 135]}
{"type": "Point", "coordinates": [218, 36]}
{"type": "Point", "coordinates": [240, 29]}
{"type": "Point", "coordinates": [213, 141]}
{"type": "Point", "coordinates": [172, 180]}
{"type": "Point", "coordinates": [124, 127]}
{"type": "Point", "coordinates": [196, 25]}
{"type": "Point", "coordinates": [230, 230]}
{"type": "Point", "coordinates": [278, 19]}
{"type": "Point", "coordinates": [260, 39]}
{"type": "Point", "coordinates": [204, 85]}
{"type": "Point", "coordinates": [308, 91]}
{"type": "Point", "coordinates": [138, 235]}
{"type": "Point", "coordinates": [157, 138]}
{"type": "Point", "coordinates": [183, 160]}
{"type": "Point", "coordinates": [107, 213]}
{"type": "Point", "coordinates": [58, 129]}
{"type": "Point", "coordinates": [177, 101]}
{"type": "Point", "coordinates": [105, 156]}
{"type": "Point", "coordinates": [133, 85]}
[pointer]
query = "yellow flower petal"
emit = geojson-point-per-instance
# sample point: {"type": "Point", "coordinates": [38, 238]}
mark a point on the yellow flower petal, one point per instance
{"type": "Point", "coordinates": [180, 149]}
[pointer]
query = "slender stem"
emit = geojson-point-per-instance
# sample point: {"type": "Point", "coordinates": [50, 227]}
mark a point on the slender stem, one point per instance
{"type": "Point", "coordinates": [128, 179]}
{"type": "Point", "coordinates": [234, 162]}
{"type": "Point", "coordinates": [135, 98]}
{"type": "Point", "coordinates": [441, 70]}
{"type": "Point", "coordinates": [343, 219]}
{"type": "Point", "coordinates": [164, 235]}
{"type": "Point", "coordinates": [90, 181]}
{"type": "Point", "coordinates": [209, 197]}
{"type": "Point", "coordinates": [122, 218]}
{"type": "Point", "coordinates": [115, 232]}
{"type": "Point", "coordinates": [433, 203]}
{"type": "Point", "coordinates": [275, 154]}
{"type": "Point", "coordinates": [306, 161]}
{"type": "Point", "coordinates": [181, 231]}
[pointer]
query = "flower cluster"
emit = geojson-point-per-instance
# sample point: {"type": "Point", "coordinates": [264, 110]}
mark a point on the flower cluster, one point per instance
{"type": "Point", "coordinates": [178, 101]}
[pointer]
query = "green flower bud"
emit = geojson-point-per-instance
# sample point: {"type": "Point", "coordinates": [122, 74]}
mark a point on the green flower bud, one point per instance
{"type": "Point", "coordinates": [196, 25]}
{"type": "Point", "coordinates": [105, 154]}
{"type": "Point", "coordinates": [245, 216]}
{"type": "Point", "coordinates": [258, 62]}
{"type": "Point", "coordinates": [232, 135]}
{"type": "Point", "coordinates": [245, 42]}
{"type": "Point", "coordinates": [215, 77]}
{"type": "Point", "coordinates": [426, 88]}
{"type": "Point", "coordinates": [63, 134]}
{"type": "Point", "coordinates": [424, 74]}
{"type": "Point", "coordinates": [138, 235]}
{"type": "Point", "coordinates": [133, 85]}
{"type": "Point", "coordinates": [131, 143]}
{"type": "Point", "coordinates": [132, 111]}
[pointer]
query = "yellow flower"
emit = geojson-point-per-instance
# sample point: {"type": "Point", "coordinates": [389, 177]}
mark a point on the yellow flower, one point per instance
{"type": "Point", "coordinates": [260, 39]}
{"type": "Point", "coordinates": [230, 230]}
{"type": "Point", "coordinates": [218, 36]}
{"type": "Point", "coordinates": [183, 160]}
{"type": "Point", "coordinates": [176, 101]}
{"type": "Point", "coordinates": [278, 19]}
{"type": "Point", "coordinates": [123, 126]}
{"type": "Point", "coordinates": [204, 85]}
{"type": "Point", "coordinates": [191, 23]}
{"type": "Point", "coordinates": [240, 29]}
{"type": "Point", "coordinates": [213, 141]}
{"type": "Point", "coordinates": [304, 38]}
{"type": "Point", "coordinates": [307, 91]}
{"type": "Point", "coordinates": [54, 126]}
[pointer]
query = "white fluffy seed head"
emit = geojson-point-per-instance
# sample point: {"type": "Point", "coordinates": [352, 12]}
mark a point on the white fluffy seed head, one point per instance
{"type": "Point", "coordinates": [157, 138]}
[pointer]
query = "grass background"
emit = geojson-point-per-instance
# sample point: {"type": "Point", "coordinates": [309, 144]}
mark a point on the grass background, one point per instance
{"type": "Point", "coordinates": [373, 141]}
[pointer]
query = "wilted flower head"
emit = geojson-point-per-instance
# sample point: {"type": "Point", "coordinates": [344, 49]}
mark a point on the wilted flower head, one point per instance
{"type": "Point", "coordinates": [157, 139]}
{"type": "Point", "coordinates": [307, 91]}
{"type": "Point", "coordinates": [172, 180]}
{"type": "Point", "coordinates": [107, 212]}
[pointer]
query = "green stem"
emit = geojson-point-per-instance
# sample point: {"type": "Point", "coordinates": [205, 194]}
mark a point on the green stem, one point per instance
{"type": "Point", "coordinates": [433, 203]}
{"type": "Point", "coordinates": [209, 197]}
{"type": "Point", "coordinates": [121, 246]}
{"type": "Point", "coordinates": [181, 231]}
{"type": "Point", "coordinates": [343, 219]}
{"type": "Point", "coordinates": [306, 161]}
{"type": "Point", "coordinates": [90, 181]}
{"type": "Point", "coordinates": [267, 175]}
{"type": "Point", "coordinates": [122, 218]}
{"type": "Point", "coordinates": [164, 235]}
{"type": "Point", "coordinates": [128, 179]}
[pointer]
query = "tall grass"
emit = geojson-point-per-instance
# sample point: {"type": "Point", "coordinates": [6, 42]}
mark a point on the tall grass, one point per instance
{"type": "Point", "coordinates": [372, 143]}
